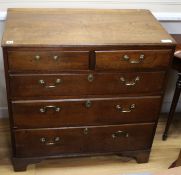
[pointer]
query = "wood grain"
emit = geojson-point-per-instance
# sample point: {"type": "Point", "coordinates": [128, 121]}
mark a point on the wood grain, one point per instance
{"type": "Point", "coordinates": [48, 60]}
{"type": "Point", "coordinates": [114, 60]}
{"type": "Point", "coordinates": [77, 84]}
{"type": "Point", "coordinates": [96, 139]}
{"type": "Point", "coordinates": [162, 156]}
{"type": "Point", "coordinates": [74, 36]}
{"type": "Point", "coordinates": [101, 111]}
{"type": "Point", "coordinates": [62, 27]}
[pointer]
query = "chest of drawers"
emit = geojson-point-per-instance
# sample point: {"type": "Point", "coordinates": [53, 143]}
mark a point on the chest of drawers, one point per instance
{"type": "Point", "coordinates": [83, 82]}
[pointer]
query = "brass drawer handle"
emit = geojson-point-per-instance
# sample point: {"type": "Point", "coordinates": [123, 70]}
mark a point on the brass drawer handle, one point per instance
{"type": "Point", "coordinates": [55, 108]}
{"type": "Point", "coordinates": [37, 57]}
{"type": "Point", "coordinates": [56, 140]}
{"type": "Point", "coordinates": [90, 77]}
{"type": "Point", "coordinates": [55, 57]}
{"type": "Point", "coordinates": [132, 106]}
{"type": "Point", "coordinates": [88, 104]}
{"type": "Point", "coordinates": [120, 134]}
{"type": "Point", "coordinates": [57, 82]}
{"type": "Point", "coordinates": [127, 58]}
{"type": "Point", "coordinates": [130, 83]}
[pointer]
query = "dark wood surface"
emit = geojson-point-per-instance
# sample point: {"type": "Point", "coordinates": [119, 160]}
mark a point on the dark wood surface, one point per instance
{"type": "Point", "coordinates": [48, 60]}
{"type": "Point", "coordinates": [177, 38]}
{"type": "Point", "coordinates": [72, 84]}
{"type": "Point", "coordinates": [20, 164]}
{"type": "Point", "coordinates": [101, 111]}
{"type": "Point", "coordinates": [114, 60]}
{"type": "Point", "coordinates": [83, 140]}
{"type": "Point", "coordinates": [177, 60]}
{"type": "Point", "coordinates": [176, 64]}
{"type": "Point", "coordinates": [173, 107]}
{"type": "Point", "coordinates": [93, 80]}
{"type": "Point", "coordinates": [177, 162]}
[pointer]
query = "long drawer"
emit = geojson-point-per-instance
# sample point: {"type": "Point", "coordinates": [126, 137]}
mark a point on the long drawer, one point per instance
{"type": "Point", "coordinates": [86, 84]}
{"type": "Point", "coordinates": [48, 60]}
{"type": "Point", "coordinates": [132, 59]}
{"type": "Point", "coordinates": [83, 140]}
{"type": "Point", "coordinates": [75, 112]}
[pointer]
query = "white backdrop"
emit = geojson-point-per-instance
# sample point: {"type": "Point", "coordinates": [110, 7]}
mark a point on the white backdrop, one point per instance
{"type": "Point", "coordinates": [153, 5]}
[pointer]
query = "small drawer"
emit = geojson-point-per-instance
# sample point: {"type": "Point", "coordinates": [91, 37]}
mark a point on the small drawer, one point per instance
{"type": "Point", "coordinates": [76, 112]}
{"type": "Point", "coordinates": [83, 140]}
{"type": "Point", "coordinates": [86, 84]}
{"type": "Point", "coordinates": [47, 60]}
{"type": "Point", "coordinates": [130, 59]}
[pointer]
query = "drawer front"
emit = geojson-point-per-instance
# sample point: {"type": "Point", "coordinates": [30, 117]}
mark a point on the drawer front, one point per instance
{"type": "Point", "coordinates": [83, 140]}
{"type": "Point", "coordinates": [48, 60]}
{"type": "Point", "coordinates": [76, 112]}
{"type": "Point", "coordinates": [130, 59]}
{"type": "Point", "coordinates": [86, 84]}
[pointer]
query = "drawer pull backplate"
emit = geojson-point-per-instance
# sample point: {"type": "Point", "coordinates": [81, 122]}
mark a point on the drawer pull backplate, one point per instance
{"type": "Point", "coordinates": [53, 141]}
{"type": "Point", "coordinates": [130, 83]}
{"type": "Point", "coordinates": [55, 57]}
{"type": "Point", "coordinates": [140, 59]}
{"type": "Point", "coordinates": [57, 82]}
{"type": "Point", "coordinates": [37, 57]}
{"type": "Point", "coordinates": [132, 106]}
{"type": "Point", "coordinates": [55, 108]}
{"type": "Point", "coordinates": [120, 134]}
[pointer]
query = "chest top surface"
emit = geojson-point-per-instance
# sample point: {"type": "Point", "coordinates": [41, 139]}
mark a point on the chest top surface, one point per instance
{"type": "Point", "coordinates": [61, 27]}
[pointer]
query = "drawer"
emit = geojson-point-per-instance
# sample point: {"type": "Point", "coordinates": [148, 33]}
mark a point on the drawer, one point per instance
{"type": "Point", "coordinates": [86, 84]}
{"type": "Point", "coordinates": [48, 60]}
{"type": "Point", "coordinates": [130, 59]}
{"type": "Point", "coordinates": [75, 112]}
{"type": "Point", "coordinates": [83, 140]}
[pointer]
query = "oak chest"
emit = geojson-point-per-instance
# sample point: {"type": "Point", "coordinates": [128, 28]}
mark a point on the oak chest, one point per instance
{"type": "Point", "coordinates": [83, 82]}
